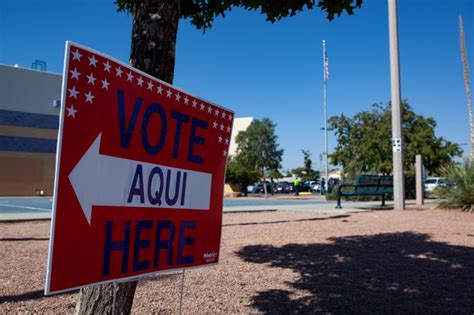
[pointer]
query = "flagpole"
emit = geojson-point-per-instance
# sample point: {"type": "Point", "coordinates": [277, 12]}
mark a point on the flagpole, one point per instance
{"type": "Point", "coordinates": [325, 115]}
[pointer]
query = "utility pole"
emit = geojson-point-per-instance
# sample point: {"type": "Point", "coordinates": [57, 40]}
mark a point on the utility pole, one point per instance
{"type": "Point", "coordinates": [397, 145]}
{"type": "Point", "coordinates": [325, 77]}
{"type": "Point", "coordinates": [467, 84]}
{"type": "Point", "coordinates": [321, 165]}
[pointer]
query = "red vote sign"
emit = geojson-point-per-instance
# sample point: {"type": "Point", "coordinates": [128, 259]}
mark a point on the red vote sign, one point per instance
{"type": "Point", "coordinates": [139, 175]}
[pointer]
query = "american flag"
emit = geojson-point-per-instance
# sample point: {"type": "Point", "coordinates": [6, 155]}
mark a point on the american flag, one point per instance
{"type": "Point", "coordinates": [326, 67]}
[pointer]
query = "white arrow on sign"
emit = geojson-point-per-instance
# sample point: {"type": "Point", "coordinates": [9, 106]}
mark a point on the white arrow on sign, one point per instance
{"type": "Point", "coordinates": [102, 180]}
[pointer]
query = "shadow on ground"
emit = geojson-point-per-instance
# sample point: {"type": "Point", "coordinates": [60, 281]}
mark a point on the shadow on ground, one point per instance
{"type": "Point", "coordinates": [28, 296]}
{"type": "Point", "coordinates": [342, 216]}
{"type": "Point", "coordinates": [384, 273]}
{"type": "Point", "coordinates": [23, 239]}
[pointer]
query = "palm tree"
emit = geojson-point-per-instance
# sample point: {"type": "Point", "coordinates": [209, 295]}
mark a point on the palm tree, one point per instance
{"type": "Point", "coordinates": [466, 82]}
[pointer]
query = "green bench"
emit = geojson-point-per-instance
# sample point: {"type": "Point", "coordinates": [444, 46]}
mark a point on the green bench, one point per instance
{"type": "Point", "coordinates": [366, 185]}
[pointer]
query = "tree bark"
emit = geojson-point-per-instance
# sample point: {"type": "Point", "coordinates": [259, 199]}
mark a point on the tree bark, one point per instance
{"type": "Point", "coordinates": [110, 298]}
{"type": "Point", "coordinates": [265, 188]}
{"type": "Point", "coordinates": [155, 28]}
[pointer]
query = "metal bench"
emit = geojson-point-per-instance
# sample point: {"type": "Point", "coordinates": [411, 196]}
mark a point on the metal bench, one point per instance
{"type": "Point", "coordinates": [366, 185]}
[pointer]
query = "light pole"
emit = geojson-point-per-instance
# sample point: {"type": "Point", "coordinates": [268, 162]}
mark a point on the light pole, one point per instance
{"type": "Point", "coordinates": [325, 111]}
{"type": "Point", "coordinates": [321, 165]}
{"type": "Point", "coordinates": [397, 147]}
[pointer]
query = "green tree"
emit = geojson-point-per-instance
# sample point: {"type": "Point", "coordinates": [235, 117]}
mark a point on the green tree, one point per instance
{"type": "Point", "coordinates": [306, 172]}
{"type": "Point", "coordinates": [153, 50]}
{"type": "Point", "coordinates": [364, 141]}
{"type": "Point", "coordinates": [275, 174]}
{"type": "Point", "coordinates": [310, 174]}
{"type": "Point", "coordinates": [155, 23]}
{"type": "Point", "coordinates": [298, 171]}
{"type": "Point", "coordinates": [257, 149]}
{"type": "Point", "coordinates": [307, 161]}
{"type": "Point", "coordinates": [238, 174]}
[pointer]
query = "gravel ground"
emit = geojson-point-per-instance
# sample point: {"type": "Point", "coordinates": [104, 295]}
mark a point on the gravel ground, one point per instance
{"type": "Point", "coordinates": [414, 261]}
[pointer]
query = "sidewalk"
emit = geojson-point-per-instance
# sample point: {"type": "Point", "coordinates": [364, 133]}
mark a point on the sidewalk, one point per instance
{"type": "Point", "coordinates": [321, 206]}
{"type": "Point", "coordinates": [26, 216]}
{"type": "Point", "coordinates": [11, 212]}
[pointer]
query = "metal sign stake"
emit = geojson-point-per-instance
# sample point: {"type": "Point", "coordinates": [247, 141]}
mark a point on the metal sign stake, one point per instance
{"type": "Point", "coordinates": [181, 294]}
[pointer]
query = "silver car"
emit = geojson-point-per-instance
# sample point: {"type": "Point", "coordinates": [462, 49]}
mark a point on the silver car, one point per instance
{"type": "Point", "coordinates": [433, 182]}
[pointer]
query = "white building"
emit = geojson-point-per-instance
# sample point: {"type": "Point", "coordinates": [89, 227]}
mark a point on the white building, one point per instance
{"type": "Point", "coordinates": [240, 124]}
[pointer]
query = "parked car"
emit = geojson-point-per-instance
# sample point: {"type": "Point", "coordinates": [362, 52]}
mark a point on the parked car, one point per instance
{"type": "Point", "coordinates": [304, 186]}
{"type": "Point", "coordinates": [315, 185]}
{"type": "Point", "coordinates": [250, 187]}
{"type": "Point", "coordinates": [257, 188]}
{"type": "Point", "coordinates": [282, 188]}
{"type": "Point", "coordinates": [431, 183]}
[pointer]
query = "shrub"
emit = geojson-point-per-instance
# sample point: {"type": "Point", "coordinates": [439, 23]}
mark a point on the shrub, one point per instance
{"type": "Point", "coordinates": [459, 194]}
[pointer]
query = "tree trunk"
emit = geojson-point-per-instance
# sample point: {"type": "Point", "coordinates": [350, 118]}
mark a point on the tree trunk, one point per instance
{"type": "Point", "coordinates": [155, 27]}
{"type": "Point", "coordinates": [243, 189]}
{"type": "Point", "coordinates": [110, 298]}
{"type": "Point", "coordinates": [265, 188]}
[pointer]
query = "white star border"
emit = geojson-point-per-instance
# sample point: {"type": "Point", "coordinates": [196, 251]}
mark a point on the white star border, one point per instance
{"type": "Point", "coordinates": [110, 67]}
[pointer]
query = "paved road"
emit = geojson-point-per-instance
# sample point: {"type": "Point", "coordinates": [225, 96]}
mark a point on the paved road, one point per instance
{"type": "Point", "coordinates": [27, 208]}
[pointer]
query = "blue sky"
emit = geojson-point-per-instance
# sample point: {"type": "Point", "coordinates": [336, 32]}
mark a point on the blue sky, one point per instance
{"type": "Point", "coordinates": [261, 69]}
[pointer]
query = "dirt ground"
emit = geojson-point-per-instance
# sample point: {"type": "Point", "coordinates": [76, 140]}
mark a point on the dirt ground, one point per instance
{"type": "Point", "coordinates": [413, 261]}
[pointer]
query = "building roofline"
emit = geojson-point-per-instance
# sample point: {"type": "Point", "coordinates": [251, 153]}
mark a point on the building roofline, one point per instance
{"type": "Point", "coordinates": [28, 69]}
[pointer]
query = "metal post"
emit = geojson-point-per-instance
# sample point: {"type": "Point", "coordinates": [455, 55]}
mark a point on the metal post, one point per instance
{"type": "Point", "coordinates": [325, 116]}
{"type": "Point", "coordinates": [321, 165]}
{"type": "Point", "coordinates": [181, 293]}
{"type": "Point", "coordinates": [467, 84]}
{"type": "Point", "coordinates": [398, 180]}
{"type": "Point", "coordinates": [420, 194]}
